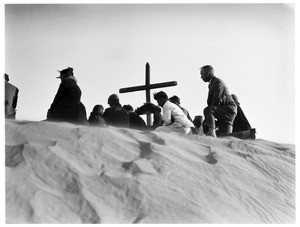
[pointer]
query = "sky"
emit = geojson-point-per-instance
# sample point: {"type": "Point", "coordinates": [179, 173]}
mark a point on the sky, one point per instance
{"type": "Point", "coordinates": [250, 46]}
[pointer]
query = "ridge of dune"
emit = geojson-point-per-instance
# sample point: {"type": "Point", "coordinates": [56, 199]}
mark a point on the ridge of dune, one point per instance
{"type": "Point", "coordinates": [65, 173]}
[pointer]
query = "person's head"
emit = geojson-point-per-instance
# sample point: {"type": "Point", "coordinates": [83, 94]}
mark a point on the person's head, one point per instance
{"type": "Point", "coordinates": [65, 73]}
{"type": "Point", "coordinates": [175, 99]}
{"type": "Point", "coordinates": [234, 97]}
{"type": "Point", "coordinates": [113, 99]}
{"type": "Point", "coordinates": [98, 109]}
{"type": "Point", "coordinates": [161, 98]}
{"type": "Point", "coordinates": [128, 108]}
{"type": "Point", "coordinates": [198, 121]}
{"type": "Point", "coordinates": [207, 72]}
{"type": "Point", "coordinates": [6, 77]}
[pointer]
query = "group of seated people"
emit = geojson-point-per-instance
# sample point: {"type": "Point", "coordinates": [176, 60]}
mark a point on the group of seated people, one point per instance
{"type": "Point", "coordinates": [174, 117]}
{"type": "Point", "coordinates": [125, 116]}
{"type": "Point", "coordinates": [116, 115]}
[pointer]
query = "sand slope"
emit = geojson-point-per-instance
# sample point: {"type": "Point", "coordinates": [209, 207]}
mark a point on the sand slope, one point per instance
{"type": "Point", "coordinates": [63, 173]}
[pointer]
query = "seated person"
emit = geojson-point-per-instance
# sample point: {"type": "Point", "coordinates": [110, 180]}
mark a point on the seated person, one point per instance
{"type": "Point", "coordinates": [240, 122]}
{"type": "Point", "coordinates": [174, 118]}
{"type": "Point", "coordinates": [241, 126]}
{"type": "Point", "coordinates": [116, 115]}
{"type": "Point", "coordinates": [96, 116]}
{"type": "Point", "coordinates": [135, 121]}
{"type": "Point", "coordinates": [198, 125]}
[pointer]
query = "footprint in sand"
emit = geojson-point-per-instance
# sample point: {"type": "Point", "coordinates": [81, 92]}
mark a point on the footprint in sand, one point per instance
{"type": "Point", "coordinates": [211, 158]}
{"type": "Point", "coordinates": [131, 167]}
{"type": "Point", "coordinates": [13, 155]}
{"type": "Point", "coordinates": [146, 150]}
{"type": "Point", "coordinates": [155, 138]}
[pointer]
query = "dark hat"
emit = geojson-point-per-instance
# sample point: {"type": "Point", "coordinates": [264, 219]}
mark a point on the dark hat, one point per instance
{"type": "Point", "coordinates": [65, 73]}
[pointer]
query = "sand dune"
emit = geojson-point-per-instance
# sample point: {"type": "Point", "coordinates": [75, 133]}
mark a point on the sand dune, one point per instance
{"type": "Point", "coordinates": [63, 173]}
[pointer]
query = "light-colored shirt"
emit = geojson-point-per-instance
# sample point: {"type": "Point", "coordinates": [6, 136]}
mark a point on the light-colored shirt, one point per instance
{"type": "Point", "coordinates": [180, 119]}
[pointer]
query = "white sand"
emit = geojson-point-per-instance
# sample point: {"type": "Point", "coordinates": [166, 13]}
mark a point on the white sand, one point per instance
{"type": "Point", "coordinates": [62, 173]}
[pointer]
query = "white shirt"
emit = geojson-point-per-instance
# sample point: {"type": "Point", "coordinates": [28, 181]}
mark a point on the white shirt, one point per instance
{"type": "Point", "coordinates": [180, 119]}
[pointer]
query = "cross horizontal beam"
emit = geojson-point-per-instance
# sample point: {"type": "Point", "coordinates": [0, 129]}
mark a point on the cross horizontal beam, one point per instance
{"type": "Point", "coordinates": [148, 87]}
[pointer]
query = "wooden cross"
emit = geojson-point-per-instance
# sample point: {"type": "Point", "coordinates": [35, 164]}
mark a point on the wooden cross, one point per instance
{"type": "Point", "coordinates": [147, 87]}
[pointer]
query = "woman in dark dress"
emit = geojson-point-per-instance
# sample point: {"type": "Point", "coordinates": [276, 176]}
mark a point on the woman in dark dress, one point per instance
{"type": "Point", "coordinates": [66, 105]}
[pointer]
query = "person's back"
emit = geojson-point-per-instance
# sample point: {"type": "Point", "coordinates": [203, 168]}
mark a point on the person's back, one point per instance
{"type": "Point", "coordinates": [218, 93]}
{"type": "Point", "coordinates": [176, 100]}
{"type": "Point", "coordinates": [177, 115]}
{"type": "Point", "coordinates": [70, 96]}
{"type": "Point", "coordinates": [116, 115]}
{"type": "Point", "coordinates": [11, 98]}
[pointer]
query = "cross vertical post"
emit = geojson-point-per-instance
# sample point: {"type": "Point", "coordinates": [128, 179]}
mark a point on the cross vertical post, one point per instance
{"type": "Point", "coordinates": [148, 97]}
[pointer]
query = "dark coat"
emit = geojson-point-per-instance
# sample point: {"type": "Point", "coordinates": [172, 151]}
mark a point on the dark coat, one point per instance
{"type": "Point", "coordinates": [136, 122]}
{"type": "Point", "coordinates": [240, 122]}
{"type": "Point", "coordinates": [221, 106]}
{"type": "Point", "coordinates": [116, 116]}
{"type": "Point", "coordinates": [218, 93]}
{"type": "Point", "coordinates": [66, 105]}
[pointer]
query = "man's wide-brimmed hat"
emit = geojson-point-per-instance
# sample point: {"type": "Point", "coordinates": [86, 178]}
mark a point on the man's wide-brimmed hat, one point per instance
{"type": "Point", "coordinates": [65, 72]}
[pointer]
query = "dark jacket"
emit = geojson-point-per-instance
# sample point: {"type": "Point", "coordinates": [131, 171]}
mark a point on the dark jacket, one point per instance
{"type": "Point", "coordinates": [66, 105]}
{"type": "Point", "coordinates": [136, 122]}
{"type": "Point", "coordinates": [116, 116]}
{"type": "Point", "coordinates": [218, 93]}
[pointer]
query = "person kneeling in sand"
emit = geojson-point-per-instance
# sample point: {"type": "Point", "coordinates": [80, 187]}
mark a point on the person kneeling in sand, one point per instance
{"type": "Point", "coordinates": [174, 118]}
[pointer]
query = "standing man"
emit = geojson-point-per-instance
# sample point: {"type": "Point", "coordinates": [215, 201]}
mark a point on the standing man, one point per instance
{"type": "Point", "coordinates": [11, 98]}
{"type": "Point", "coordinates": [174, 118]}
{"type": "Point", "coordinates": [221, 106]}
